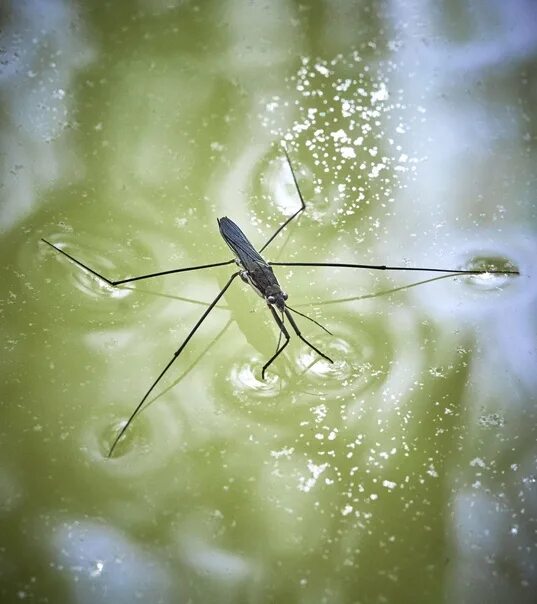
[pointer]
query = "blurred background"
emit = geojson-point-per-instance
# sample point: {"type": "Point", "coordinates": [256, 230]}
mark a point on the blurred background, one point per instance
{"type": "Point", "coordinates": [404, 472]}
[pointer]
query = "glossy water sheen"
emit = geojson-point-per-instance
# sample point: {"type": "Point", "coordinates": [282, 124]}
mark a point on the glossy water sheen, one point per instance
{"type": "Point", "coordinates": [404, 472]}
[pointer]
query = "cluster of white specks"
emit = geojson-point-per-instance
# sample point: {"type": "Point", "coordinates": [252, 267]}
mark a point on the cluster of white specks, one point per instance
{"type": "Point", "coordinates": [320, 413]}
{"type": "Point", "coordinates": [478, 462]}
{"type": "Point", "coordinates": [306, 483]}
{"type": "Point", "coordinates": [491, 420]}
{"type": "Point", "coordinates": [432, 471]}
{"type": "Point", "coordinates": [379, 95]}
{"type": "Point", "coordinates": [346, 510]}
{"type": "Point", "coordinates": [286, 452]}
{"type": "Point", "coordinates": [352, 446]}
{"type": "Point", "coordinates": [97, 569]}
{"type": "Point", "coordinates": [322, 69]}
{"type": "Point", "coordinates": [216, 146]}
{"type": "Point", "coordinates": [352, 122]}
{"type": "Point", "coordinates": [59, 93]}
{"type": "Point", "coordinates": [181, 222]}
{"type": "Point", "coordinates": [377, 458]}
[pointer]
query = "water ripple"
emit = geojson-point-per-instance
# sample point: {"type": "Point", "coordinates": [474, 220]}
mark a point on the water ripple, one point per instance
{"type": "Point", "coordinates": [362, 352]}
{"type": "Point", "coordinates": [490, 280]}
{"type": "Point", "coordinates": [246, 377]}
{"type": "Point", "coordinates": [473, 295]}
{"type": "Point", "coordinates": [82, 279]}
{"type": "Point", "coordinates": [146, 445]}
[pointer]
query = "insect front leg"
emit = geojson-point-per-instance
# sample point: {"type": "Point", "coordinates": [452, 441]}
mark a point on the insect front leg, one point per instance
{"type": "Point", "coordinates": [279, 349]}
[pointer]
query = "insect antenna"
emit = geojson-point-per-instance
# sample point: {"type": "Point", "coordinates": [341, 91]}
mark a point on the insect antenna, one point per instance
{"type": "Point", "coordinates": [297, 312]}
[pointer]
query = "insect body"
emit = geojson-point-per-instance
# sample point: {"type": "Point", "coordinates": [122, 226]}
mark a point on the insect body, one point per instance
{"type": "Point", "coordinates": [255, 270]}
{"type": "Point", "coordinates": [258, 273]}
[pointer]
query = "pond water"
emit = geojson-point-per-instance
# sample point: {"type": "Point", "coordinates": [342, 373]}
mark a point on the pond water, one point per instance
{"type": "Point", "coordinates": [406, 471]}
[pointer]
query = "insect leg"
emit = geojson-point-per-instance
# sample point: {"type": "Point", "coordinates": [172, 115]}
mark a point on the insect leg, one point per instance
{"type": "Point", "coordinates": [297, 331]}
{"type": "Point", "coordinates": [140, 277]}
{"type": "Point", "coordinates": [302, 206]}
{"type": "Point", "coordinates": [382, 267]}
{"type": "Point", "coordinates": [176, 354]}
{"type": "Point", "coordinates": [279, 337]}
{"type": "Point", "coordinates": [283, 330]}
{"type": "Point", "coordinates": [309, 319]}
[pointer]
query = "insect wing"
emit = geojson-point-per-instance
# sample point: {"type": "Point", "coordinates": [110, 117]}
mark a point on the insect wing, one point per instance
{"type": "Point", "coordinates": [239, 243]}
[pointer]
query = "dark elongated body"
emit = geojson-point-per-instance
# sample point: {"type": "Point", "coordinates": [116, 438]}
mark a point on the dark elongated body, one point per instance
{"type": "Point", "coordinates": [255, 270]}
{"type": "Point", "coordinates": [259, 275]}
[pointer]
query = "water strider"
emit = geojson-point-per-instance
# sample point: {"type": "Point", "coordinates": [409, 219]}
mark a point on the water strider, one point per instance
{"type": "Point", "coordinates": [258, 273]}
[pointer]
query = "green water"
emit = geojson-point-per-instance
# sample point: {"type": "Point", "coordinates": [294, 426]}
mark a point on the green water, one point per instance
{"type": "Point", "coordinates": [403, 472]}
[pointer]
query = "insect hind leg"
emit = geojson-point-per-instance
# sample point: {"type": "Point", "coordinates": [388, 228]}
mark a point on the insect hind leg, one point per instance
{"type": "Point", "coordinates": [297, 331]}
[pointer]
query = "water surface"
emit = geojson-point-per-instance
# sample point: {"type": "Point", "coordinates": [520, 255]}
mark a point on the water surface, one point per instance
{"type": "Point", "coordinates": [403, 472]}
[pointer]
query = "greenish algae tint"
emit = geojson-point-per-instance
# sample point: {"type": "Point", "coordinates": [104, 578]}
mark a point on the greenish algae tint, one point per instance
{"type": "Point", "coordinates": [405, 471]}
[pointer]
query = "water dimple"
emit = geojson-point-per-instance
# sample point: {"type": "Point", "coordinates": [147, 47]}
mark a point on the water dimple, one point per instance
{"type": "Point", "coordinates": [83, 279]}
{"type": "Point", "coordinates": [246, 377]}
{"type": "Point", "coordinates": [359, 364]}
{"type": "Point", "coordinates": [149, 439]}
{"type": "Point", "coordinates": [129, 441]}
{"type": "Point", "coordinates": [338, 350]}
{"type": "Point", "coordinates": [92, 286]}
{"type": "Point", "coordinates": [498, 271]}
{"type": "Point", "coordinates": [352, 367]}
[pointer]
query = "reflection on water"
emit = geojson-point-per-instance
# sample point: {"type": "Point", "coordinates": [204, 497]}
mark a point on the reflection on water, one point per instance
{"type": "Point", "coordinates": [45, 44]}
{"type": "Point", "coordinates": [99, 563]}
{"type": "Point", "coordinates": [404, 471]}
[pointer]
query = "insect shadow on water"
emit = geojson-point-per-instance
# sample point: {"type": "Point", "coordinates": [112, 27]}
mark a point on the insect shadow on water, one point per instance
{"type": "Point", "coordinates": [258, 273]}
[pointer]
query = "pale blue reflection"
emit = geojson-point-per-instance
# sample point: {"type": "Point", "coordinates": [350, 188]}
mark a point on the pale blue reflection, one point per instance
{"type": "Point", "coordinates": [46, 47]}
{"type": "Point", "coordinates": [221, 565]}
{"type": "Point", "coordinates": [489, 534]}
{"type": "Point", "coordinates": [101, 564]}
{"type": "Point", "coordinates": [477, 139]}
{"type": "Point", "coordinates": [498, 33]}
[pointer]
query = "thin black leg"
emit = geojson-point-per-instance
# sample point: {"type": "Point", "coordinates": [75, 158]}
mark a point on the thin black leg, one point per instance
{"type": "Point", "coordinates": [140, 277]}
{"type": "Point", "coordinates": [192, 365]}
{"type": "Point", "coordinates": [302, 207]}
{"type": "Point", "coordinates": [297, 331]}
{"type": "Point", "coordinates": [279, 350]}
{"type": "Point", "coordinates": [382, 267]}
{"type": "Point", "coordinates": [176, 354]}
{"type": "Point", "coordinates": [279, 338]}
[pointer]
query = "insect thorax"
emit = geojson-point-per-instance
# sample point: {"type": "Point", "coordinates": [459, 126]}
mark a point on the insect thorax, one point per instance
{"type": "Point", "coordinates": [262, 280]}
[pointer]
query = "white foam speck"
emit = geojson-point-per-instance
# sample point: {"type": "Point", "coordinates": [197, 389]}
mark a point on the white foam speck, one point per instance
{"type": "Point", "coordinates": [348, 152]}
